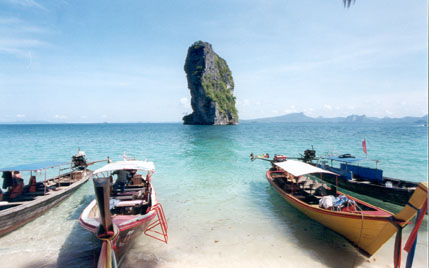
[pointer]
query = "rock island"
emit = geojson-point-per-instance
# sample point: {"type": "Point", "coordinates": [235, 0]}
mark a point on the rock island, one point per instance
{"type": "Point", "coordinates": [211, 84]}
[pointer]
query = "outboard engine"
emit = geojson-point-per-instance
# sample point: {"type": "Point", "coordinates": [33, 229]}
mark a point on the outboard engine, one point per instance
{"type": "Point", "coordinates": [309, 155]}
{"type": "Point", "coordinates": [79, 161]}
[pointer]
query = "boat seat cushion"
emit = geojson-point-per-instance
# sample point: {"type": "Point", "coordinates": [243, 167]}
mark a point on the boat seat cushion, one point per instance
{"type": "Point", "coordinates": [130, 203]}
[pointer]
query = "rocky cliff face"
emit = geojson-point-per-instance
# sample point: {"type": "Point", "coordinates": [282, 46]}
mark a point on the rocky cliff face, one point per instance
{"type": "Point", "coordinates": [211, 85]}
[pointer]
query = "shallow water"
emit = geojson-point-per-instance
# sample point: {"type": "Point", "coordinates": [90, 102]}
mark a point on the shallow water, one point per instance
{"type": "Point", "coordinates": [220, 209]}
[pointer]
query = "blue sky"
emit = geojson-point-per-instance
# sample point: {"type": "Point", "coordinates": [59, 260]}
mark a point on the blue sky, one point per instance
{"type": "Point", "coordinates": [122, 61]}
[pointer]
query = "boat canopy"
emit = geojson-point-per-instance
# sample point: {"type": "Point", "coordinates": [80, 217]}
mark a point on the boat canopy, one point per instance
{"type": "Point", "coordinates": [125, 165]}
{"type": "Point", "coordinates": [298, 168]}
{"type": "Point", "coordinates": [35, 166]}
{"type": "Point", "coordinates": [343, 159]}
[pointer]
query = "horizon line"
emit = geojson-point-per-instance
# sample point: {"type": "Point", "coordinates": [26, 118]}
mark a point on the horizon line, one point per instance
{"type": "Point", "coordinates": [41, 122]}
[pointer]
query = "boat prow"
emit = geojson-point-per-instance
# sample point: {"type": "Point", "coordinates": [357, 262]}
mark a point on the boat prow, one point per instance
{"type": "Point", "coordinates": [401, 219]}
{"type": "Point", "coordinates": [366, 226]}
{"type": "Point", "coordinates": [116, 216]}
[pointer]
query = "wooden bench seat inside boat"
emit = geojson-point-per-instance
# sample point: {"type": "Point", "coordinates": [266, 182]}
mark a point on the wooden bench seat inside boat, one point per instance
{"type": "Point", "coordinates": [124, 197]}
{"type": "Point", "coordinates": [133, 189]}
{"type": "Point", "coordinates": [131, 203]}
{"type": "Point", "coordinates": [127, 193]}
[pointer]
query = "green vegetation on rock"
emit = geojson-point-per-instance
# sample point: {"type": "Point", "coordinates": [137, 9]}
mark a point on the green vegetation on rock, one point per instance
{"type": "Point", "coordinates": [217, 89]}
{"type": "Point", "coordinates": [211, 84]}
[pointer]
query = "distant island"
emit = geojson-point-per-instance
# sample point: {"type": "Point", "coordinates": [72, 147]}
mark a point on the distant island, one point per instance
{"type": "Point", "coordinates": [302, 118]}
{"type": "Point", "coordinates": [211, 84]}
{"type": "Point", "coordinates": [287, 118]}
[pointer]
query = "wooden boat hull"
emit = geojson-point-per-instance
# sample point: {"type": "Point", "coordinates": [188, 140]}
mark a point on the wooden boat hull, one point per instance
{"type": "Point", "coordinates": [15, 217]}
{"type": "Point", "coordinates": [365, 231]}
{"type": "Point", "coordinates": [395, 195]}
{"type": "Point", "coordinates": [128, 228]}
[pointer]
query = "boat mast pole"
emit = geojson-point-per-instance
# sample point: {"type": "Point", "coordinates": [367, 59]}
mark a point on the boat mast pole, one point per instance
{"type": "Point", "coordinates": [44, 191]}
{"type": "Point", "coordinates": [336, 184]}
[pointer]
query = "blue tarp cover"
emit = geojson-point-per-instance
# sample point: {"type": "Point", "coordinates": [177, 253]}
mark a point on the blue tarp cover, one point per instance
{"type": "Point", "coordinates": [35, 166]}
{"type": "Point", "coordinates": [344, 160]}
{"type": "Point", "coordinates": [367, 173]}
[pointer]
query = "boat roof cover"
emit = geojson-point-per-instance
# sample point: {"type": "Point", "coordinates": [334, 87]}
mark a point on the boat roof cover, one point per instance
{"type": "Point", "coordinates": [35, 166]}
{"type": "Point", "coordinates": [125, 165]}
{"type": "Point", "coordinates": [298, 168]}
{"type": "Point", "coordinates": [343, 159]}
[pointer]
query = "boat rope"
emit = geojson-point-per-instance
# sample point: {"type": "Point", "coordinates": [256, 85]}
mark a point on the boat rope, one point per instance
{"type": "Point", "coordinates": [410, 245]}
{"type": "Point", "coordinates": [111, 259]}
{"type": "Point", "coordinates": [397, 250]}
{"type": "Point", "coordinates": [412, 206]}
{"type": "Point", "coordinates": [360, 234]}
{"type": "Point", "coordinates": [412, 239]}
{"type": "Point", "coordinates": [398, 243]}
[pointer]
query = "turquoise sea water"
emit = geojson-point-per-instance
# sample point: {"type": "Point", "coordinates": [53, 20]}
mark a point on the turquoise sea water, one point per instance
{"type": "Point", "coordinates": [219, 206]}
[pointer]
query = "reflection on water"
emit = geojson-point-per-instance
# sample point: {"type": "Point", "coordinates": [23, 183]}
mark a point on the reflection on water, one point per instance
{"type": "Point", "coordinates": [220, 209]}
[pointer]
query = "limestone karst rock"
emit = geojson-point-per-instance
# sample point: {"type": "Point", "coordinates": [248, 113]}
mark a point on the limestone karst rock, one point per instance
{"type": "Point", "coordinates": [211, 85]}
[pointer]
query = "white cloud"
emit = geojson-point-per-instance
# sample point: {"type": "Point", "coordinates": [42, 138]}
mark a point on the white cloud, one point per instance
{"type": "Point", "coordinates": [27, 3]}
{"type": "Point", "coordinates": [20, 115]}
{"type": "Point", "coordinates": [290, 110]}
{"type": "Point", "coordinates": [60, 116]}
{"type": "Point", "coordinates": [20, 47]}
{"type": "Point", "coordinates": [19, 38]}
{"type": "Point", "coordinates": [185, 102]}
{"type": "Point", "coordinates": [243, 103]}
{"type": "Point", "coordinates": [18, 26]}
{"type": "Point", "coordinates": [327, 107]}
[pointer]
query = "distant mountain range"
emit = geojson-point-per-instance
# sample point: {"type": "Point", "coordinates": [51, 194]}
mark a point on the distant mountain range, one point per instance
{"type": "Point", "coordinates": [302, 118]}
{"type": "Point", "coordinates": [291, 118]}
{"type": "Point", "coordinates": [27, 123]}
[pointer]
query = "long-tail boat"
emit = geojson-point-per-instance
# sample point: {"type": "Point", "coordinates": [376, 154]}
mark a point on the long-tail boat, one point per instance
{"type": "Point", "coordinates": [365, 180]}
{"type": "Point", "coordinates": [122, 211]}
{"type": "Point", "coordinates": [367, 227]}
{"type": "Point", "coordinates": [22, 203]}
{"type": "Point", "coordinates": [352, 176]}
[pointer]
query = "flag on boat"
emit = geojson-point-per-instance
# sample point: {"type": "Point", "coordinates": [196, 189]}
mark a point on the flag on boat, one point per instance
{"type": "Point", "coordinates": [364, 146]}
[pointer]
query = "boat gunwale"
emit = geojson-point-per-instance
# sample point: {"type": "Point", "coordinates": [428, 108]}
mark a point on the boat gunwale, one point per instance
{"type": "Point", "coordinates": [43, 198]}
{"type": "Point", "coordinates": [32, 209]}
{"type": "Point", "coordinates": [384, 178]}
{"type": "Point", "coordinates": [85, 220]}
{"type": "Point", "coordinates": [331, 212]}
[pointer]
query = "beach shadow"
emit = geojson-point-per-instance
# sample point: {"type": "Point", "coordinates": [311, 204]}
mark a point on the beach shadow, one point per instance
{"type": "Point", "coordinates": [324, 244]}
{"type": "Point", "coordinates": [40, 264]}
{"type": "Point", "coordinates": [81, 248]}
{"type": "Point", "coordinates": [130, 262]}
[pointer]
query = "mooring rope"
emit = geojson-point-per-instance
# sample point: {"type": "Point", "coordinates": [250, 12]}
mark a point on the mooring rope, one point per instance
{"type": "Point", "coordinates": [360, 235]}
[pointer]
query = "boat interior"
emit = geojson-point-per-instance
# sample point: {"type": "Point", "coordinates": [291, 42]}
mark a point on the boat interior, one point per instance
{"type": "Point", "coordinates": [133, 199]}
{"type": "Point", "coordinates": [366, 175]}
{"type": "Point", "coordinates": [310, 191]}
{"type": "Point", "coordinates": [19, 193]}
{"type": "Point", "coordinates": [387, 182]}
